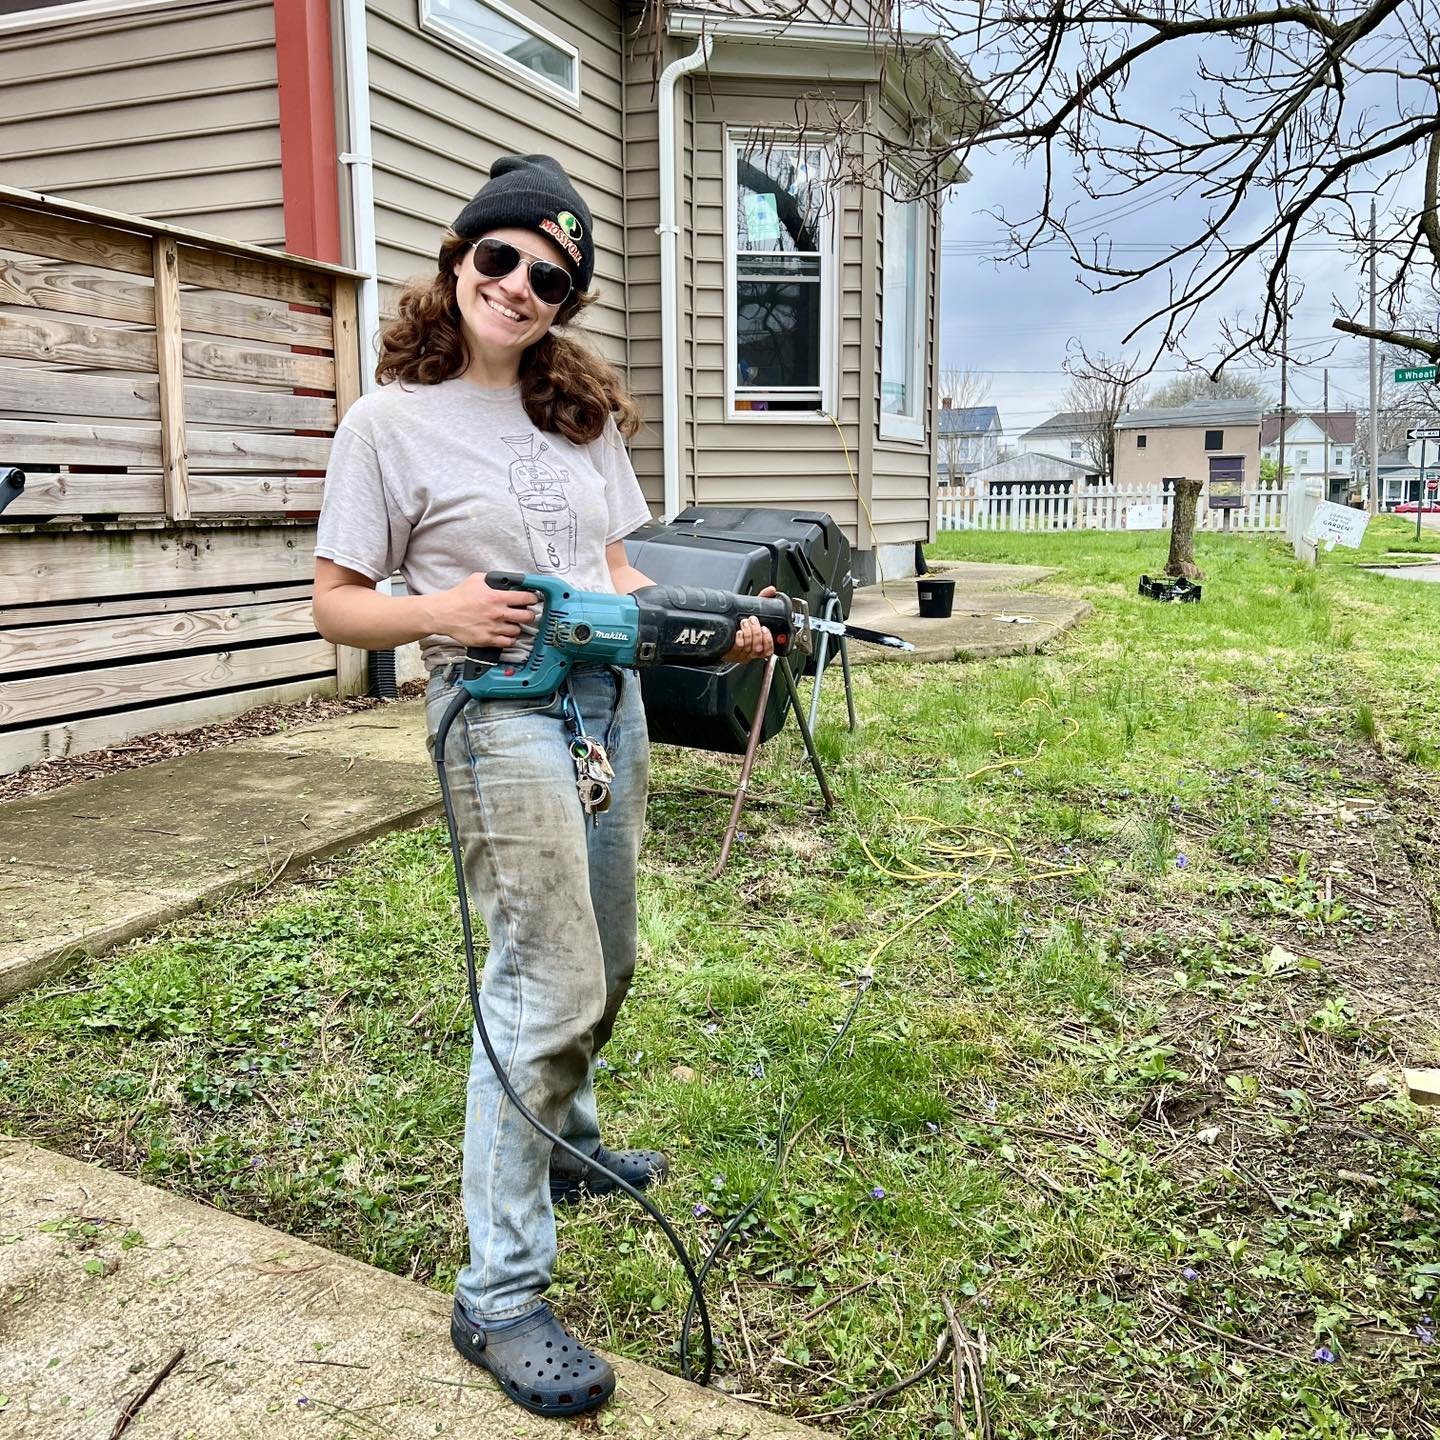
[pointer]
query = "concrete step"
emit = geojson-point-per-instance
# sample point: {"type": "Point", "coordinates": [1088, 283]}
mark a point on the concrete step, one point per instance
{"type": "Point", "coordinates": [104, 1279]}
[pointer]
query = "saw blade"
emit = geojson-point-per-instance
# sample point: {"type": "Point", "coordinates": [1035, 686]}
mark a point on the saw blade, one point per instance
{"type": "Point", "coordinates": [855, 632]}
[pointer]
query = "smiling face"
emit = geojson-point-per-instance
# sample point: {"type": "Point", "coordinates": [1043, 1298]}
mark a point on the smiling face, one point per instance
{"type": "Point", "coordinates": [500, 318]}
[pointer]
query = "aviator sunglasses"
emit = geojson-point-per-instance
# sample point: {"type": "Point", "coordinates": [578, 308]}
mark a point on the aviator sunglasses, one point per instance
{"type": "Point", "coordinates": [494, 259]}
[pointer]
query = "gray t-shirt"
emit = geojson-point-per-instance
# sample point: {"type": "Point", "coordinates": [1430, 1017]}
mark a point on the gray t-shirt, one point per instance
{"type": "Point", "coordinates": [441, 481]}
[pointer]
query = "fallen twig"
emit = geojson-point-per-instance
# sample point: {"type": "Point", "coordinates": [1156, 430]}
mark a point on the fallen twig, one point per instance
{"type": "Point", "coordinates": [1222, 1334]}
{"type": "Point", "coordinates": [969, 1375]}
{"type": "Point", "coordinates": [131, 1408]}
{"type": "Point", "coordinates": [875, 1397]}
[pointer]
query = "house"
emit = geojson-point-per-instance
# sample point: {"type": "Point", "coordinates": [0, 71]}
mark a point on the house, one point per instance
{"type": "Point", "coordinates": [1400, 474]}
{"type": "Point", "coordinates": [1318, 446]}
{"type": "Point", "coordinates": [1212, 439]}
{"type": "Point", "coordinates": [777, 318]}
{"type": "Point", "coordinates": [1067, 434]}
{"type": "Point", "coordinates": [1034, 469]}
{"type": "Point", "coordinates": [969, 437]}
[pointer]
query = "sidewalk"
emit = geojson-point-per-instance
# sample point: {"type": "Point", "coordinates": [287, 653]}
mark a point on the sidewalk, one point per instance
{"type": "Point", "coordinates": [107, 1279]}
{"type": "Point", "coordinates": [91, 865]}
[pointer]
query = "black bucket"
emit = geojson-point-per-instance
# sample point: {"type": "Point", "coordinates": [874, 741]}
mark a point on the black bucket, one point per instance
{"type": "Point", "coordinates": [937, 597]}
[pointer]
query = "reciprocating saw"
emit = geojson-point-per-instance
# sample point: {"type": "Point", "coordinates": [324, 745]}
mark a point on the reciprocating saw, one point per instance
{"type": "Point", "coordinates": [655, 625]}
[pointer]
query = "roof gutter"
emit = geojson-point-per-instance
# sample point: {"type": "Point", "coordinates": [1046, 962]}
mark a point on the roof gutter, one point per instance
{"type": "Point", "coordinates": [669, 233]}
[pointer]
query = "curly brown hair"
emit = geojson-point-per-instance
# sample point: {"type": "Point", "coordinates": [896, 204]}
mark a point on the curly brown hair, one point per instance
{"type": "Point", "coordinates": [565, 386]}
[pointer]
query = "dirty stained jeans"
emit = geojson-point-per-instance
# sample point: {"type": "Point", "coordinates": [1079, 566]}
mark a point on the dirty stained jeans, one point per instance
{"type": "Point", "coordinates": [557, 895]}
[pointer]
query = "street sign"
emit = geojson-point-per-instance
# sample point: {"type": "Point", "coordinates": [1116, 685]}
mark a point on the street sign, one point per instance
{"type": "Point", "coordinates": [1424, 432]}
{"type": "Point", "coordinates": [1416, 372]}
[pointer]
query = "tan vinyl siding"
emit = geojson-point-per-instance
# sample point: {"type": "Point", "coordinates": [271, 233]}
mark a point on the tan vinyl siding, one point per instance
{"type": "Point", "coordinates": [172, 116]}
{"type": "Point", "coordinates": [764, 461]}
{"type": "Point", "coordinates": [440, 116]}
{"type": "Point", "coordinates": [642, 249]}
{"type": "Point", "coordinates": [727, 460]}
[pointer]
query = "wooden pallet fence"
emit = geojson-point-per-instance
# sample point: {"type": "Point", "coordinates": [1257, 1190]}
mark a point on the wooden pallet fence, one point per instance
{"type": "Point", "coordinates": [171, 398]}
{"type": "Point", "coordinates": [1099, 507]}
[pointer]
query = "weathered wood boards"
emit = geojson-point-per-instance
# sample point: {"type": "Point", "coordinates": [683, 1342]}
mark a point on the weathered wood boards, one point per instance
{"type": "Point", "coordinates": [172, 402]}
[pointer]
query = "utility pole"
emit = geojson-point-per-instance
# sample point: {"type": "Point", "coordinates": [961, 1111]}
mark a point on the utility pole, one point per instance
{"type": "Point", "coordinates": [1284, 362]}
{"type": "Point", "coordinates": [1326, 428]}
{"type": "Point", "coordinates": [1372, 496]}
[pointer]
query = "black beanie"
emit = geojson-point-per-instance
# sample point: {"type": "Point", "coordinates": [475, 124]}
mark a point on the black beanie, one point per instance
{"type": "Point", "coordinates": [534, 193]}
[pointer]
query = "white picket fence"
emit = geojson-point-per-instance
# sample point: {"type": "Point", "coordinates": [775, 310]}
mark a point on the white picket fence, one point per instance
{"type": "Point", "coordinates": [1098, 507]}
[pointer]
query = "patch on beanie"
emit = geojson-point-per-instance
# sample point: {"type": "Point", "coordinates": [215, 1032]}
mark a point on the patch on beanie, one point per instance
{"type": "Point", "coordinates": [560, 233]}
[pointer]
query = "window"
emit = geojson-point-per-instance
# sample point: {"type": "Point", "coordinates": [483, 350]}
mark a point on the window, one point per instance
{"type": "Point", "coordinates": [1139, 442]}
{"type": "Point", "coordinates": [1340, 457]}
{"type": "Point", "coordinates": [1214, 439]}
{"type": "Point", "coordinates": [495, 32]}
{"type": "Point", "coordinates": [902, 319]}
{"type": "Point", "coordinates": [1076, 446]}
{"type": "Point", "coordinates": [1302, 458]}
{"type": "Point", "coordinates": [778, 325]}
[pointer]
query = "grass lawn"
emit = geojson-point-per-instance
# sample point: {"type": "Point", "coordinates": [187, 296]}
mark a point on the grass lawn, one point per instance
{"type": "Point", "coordinates": [1118, 1091]}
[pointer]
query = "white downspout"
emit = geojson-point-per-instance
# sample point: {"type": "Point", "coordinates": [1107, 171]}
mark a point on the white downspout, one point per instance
{"type": "Point", "coordinates": [669, 234]}
{"type": "Point", "coordinates": [360, 163]}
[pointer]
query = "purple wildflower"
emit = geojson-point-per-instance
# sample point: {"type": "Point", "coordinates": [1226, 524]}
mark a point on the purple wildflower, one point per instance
{"type": "Point", "coordinates": [712, 1026]}
{"type": "Point", "coordinates": [1189, 1275]}
{"type": "Point", "coordinates": [1017, 772]}
{"type": "Point", "coordinates": [932, 1127]}
{"type": "Point", "coordinates": [757, 1070]}
{"type": "Point", "coordinates": [878, 1193]}
{"type": "Point", "coordinates": [1181, 862]}
{"type": "Point", "coordinates": [303, 1401]}
{"type": "Point", "coordinates": [1425, 1330]}
{"type": "Point", "coordinates": [701, 1208]}
{"type": "Point", "coordinates": [1325, 1355]}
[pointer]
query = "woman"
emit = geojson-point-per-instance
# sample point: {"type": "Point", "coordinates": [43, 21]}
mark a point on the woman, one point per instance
{"type": "Point", "coordinates": [495, 444]}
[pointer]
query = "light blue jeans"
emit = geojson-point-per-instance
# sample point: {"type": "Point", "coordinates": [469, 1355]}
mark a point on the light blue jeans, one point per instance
{"type": "Point", "coordinates": [557, 895]}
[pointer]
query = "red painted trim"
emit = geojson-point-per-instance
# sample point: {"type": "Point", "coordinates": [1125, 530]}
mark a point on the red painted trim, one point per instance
{"type": "Point", "coordinates": [308, 157]}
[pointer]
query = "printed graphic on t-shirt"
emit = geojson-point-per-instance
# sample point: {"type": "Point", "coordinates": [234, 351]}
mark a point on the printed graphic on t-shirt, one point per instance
{"type": "Point", "coordinates": [550, 524]}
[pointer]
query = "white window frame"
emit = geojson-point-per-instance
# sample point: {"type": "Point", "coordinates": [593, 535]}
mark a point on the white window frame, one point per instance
{"type": "Point", "coordinates": [735, 137]}
{"type": "Point", "coordinates": [39, 17]}
{"type": "Point", "coordinates": [908, 427]}
{"type": "Point", "coordinates": [435, 25]}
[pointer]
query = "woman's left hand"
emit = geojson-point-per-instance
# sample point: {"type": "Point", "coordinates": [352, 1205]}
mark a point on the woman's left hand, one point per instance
{"type": "Point", "coordinates": [753, 641]}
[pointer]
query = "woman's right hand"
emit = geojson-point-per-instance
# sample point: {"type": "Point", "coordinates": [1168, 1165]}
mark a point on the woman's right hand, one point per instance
{"type": "Point", "coordinates": [474, 615]}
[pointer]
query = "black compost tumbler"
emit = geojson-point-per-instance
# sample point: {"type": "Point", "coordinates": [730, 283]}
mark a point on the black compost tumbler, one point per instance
{"type": "Point", "coordinates": [741, 549]}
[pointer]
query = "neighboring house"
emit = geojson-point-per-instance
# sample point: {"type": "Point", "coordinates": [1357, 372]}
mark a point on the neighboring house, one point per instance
{"type": "Point", "coordinates": [1317, 446]}
{"type": "Point", "coordinates": [1210, 440]}
{"type": "Point", "coordinates": [1034, 469]}
{"type": "Point", "coordinates": [969, 437]}
{"type": "Point", "coordinates": [1067, 434]}
{"type": "Point", "coordinates": [777, 320]}
{"type": "Point", "coordinates": [1400, 474]}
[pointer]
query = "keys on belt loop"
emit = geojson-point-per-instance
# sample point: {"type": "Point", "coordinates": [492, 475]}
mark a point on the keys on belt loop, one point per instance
{"type": "Point", "coordinates": [593, 771]}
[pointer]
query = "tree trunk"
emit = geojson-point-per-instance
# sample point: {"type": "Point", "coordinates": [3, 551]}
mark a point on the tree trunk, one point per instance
{"type": "Point", "coordinates": [1182, 531]}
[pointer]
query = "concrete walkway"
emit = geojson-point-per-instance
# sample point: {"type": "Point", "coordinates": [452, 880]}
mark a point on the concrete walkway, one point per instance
{"type": "Point", "coordinates": [103, 1280]}
{"type": "Point", "coordinates": [91, 865]}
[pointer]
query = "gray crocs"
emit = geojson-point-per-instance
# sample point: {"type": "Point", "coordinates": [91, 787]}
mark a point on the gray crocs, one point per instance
{"type": "Point", "coordinates": [538, 1363]}
{"type": "Point", "coordinates": [636, 1167]}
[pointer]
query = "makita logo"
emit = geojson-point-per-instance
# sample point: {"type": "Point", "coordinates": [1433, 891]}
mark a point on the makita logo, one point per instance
{"type": "Point", "coordinates": [612, 635]}
{"type": "Point", "coordinates": [693, 635]}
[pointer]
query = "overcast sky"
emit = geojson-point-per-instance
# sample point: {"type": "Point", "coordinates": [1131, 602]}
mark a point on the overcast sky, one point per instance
{"type": "Point", "coordinates": [1014, 322]}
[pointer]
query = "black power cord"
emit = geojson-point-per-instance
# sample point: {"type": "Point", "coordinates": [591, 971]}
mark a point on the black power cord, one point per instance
{"type": "Point", "coordinates": [695, 1278]}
